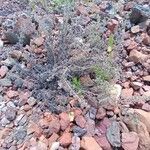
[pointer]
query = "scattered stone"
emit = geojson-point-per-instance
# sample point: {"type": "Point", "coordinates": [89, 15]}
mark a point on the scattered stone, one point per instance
{"type": "Point", "coordinates": [103, 142]}
{"type": "Point", "coordinates": [112, 25]}
{"type": "Point", "coordinates": [113, 134]}
{"type": "Point", "coordinates": [52, 139]}
{"type": "Point", "coordinates": [146, 107]}
{"type": "Point", "coordinates": [80, 121]}
{"type": "Point", "coordinates": [39, 41]}
{"type": "Point", "coordinates": [12, 94]}
{"type": "Point", "coordinates": [135, 29]}
{"type": "Point", "coordinates": [64, 120]}
{"type": "Point", "coordinates": [42, 145]}
{"type": "Point", "coordinates": [4, 121]}
{"type": "Point", "coordinates": [5, 82]}
{"type": "Point", "coordinates": [137, 56]}
{"type": "Point", "coordinates": [130, 141]}
{"type": "Point", "coordinates": [101, 113]}
{"type": "Point", "coordinates": [79, 131]}
{"type": "Point", "coordinates": [136, 85]}
{"type": "Point", "coordinates": [146, 78]}
{"type": "Point", "coordinates": [16, 54]}
{"type": "Point", "coordinates": [3, 71]}
{"type": "Point", "coordinates": [55, 146]}
{"type": "Point", "coordinates": [65, 139]}
{"type": "Point", "coordinates": [20, 134]}
{"type": "Point", "coordinates": [17, 120]}
{"type": "Point", "coordinates": [127, 93]}
{"type": "Point", "coordinates": [86, 81]}
{"type": "Point", "coordinates": [32, 101]}
{"type": "Point", "coordinates": [89, 143]}
{"type": "Point", "coordinates": [75, 143]}
{"type": "Point", "coordinates": [10, 114]}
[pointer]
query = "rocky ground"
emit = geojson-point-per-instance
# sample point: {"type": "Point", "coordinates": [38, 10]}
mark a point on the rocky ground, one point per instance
{"type": "Point", "coordinates": [53, 94]}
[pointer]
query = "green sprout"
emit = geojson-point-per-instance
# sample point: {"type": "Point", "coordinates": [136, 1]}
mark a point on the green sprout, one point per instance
{"type": "Point", "coordinates": [110, 43]}
{"type": "Point", "coordinates": [76, 84]}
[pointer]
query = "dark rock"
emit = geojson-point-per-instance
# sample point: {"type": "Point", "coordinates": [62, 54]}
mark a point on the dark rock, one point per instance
{"type": "Point", "coordinates": [79, 131]}
{"type": "Point", "coordinates": [10, 114]}
{"type": "Point", "coordinates": [139, 14]}
{"type": "Point", "coordinates": [11, 37]}
{"type": "Point", "coordinates": [113, 134]}
{"type": "Point", "coordinates": [20, 134]}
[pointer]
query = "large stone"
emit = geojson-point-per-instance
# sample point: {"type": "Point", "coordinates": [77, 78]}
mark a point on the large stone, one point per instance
{"type": "Point", "coordinates": [64, 120]}
{"type": "Point", "coordinates": [144, 117]}
{"type": "Point", "coordinates": [80, 121]}
{"type": "Point", "coordinates": [137, 56]}
{"type": "Point", "coordinates": [65, 139]}
{"type": "Point", "coordinates": [113, 134]}
{"type": "Point", "coordinates": [136, 85]}
{"type": "Point", "coordinates": [139, 13]}
{"type": "Point", "coordinates": [89, 143]}
{"type": "Point", "coordinates": [130, 141]}
{"type": "Point", "coordinates": [146, 78]}
{"type": "Point", "coordinates": [103, 142]}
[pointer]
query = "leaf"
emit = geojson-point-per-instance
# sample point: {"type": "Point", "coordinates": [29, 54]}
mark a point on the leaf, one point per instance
{"type": "Point", "coordinates": [110, 43]}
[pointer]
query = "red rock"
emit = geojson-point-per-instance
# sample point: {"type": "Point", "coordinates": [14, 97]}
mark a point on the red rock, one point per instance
{"type": "Point", "coordinates": [64, 120]}
{"type": "Point", "coordinates": [65, 139]}
{"type": "Point", "coordinates": [80, 121]}
{"type": "Point", "coordinates": [123, 127]}
{"type": "Point", "coordinates": [132, 45]}
{"type": "Point", "coordinates": [103, 125]}
{"type": "Point", "coordinates": [126, 93]}
{"type": "Point", "coordinates": [89, 143]}
{"type": "Point", "coordinates": [12, 94]}
{"type": "Point", "coordinates": [82, 10]}
{"type": "Point", "coordinates": [103, 142]}
{"type": "Point", "coordinates": [54, 125]}
{"type": "Point", "coordinates": [146, 39]}
{"type": "Point", "coordinates": [43, 139]}
{"type": "Point", "coordinates": [44, 123]}
{"type": "Point", "coordinates": [52, 139]}
{"type": "Point", "coordinates": [34, 128]}
{"type": "Point", "coordinates": [126, 84]}
{"type": "Point", "coordinates": [135, 29]}
{"type": "Point", "coordinates": [26, 107]}
{"type": "Point", "coordinates": [86, 81]}
{"type": "Point", "coordinates": [101, 113]}
{"type": "Point", "coordinates": [95, 8]}
{"type": "Point", "coordinates": [77, 112]}
{"type": "Point", "coordinates": [130, 141]}
{"type": "Point", "coordinates": [33, 141]}
{"type": "Point", "coordinates": [137, 56]}
{"type": "Point", "coordinates": [24, 95]}
{"type": "Point", "coordinates": [48, 116]}
{"type": "Point", "coordinates": [39, 41]}
{"type": "Point", "coordinates": [38, 50]}
{"type": "Point", "coordinates": [136, 85]}
{"type": "Point", "coordinates": [147, 78]}
{"type": "Point", "coordinates": [112, 24]}
{"type": "Point", "coordinates": [3, 71]}
{"type": "Point", "coordinates": [146, 107]}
